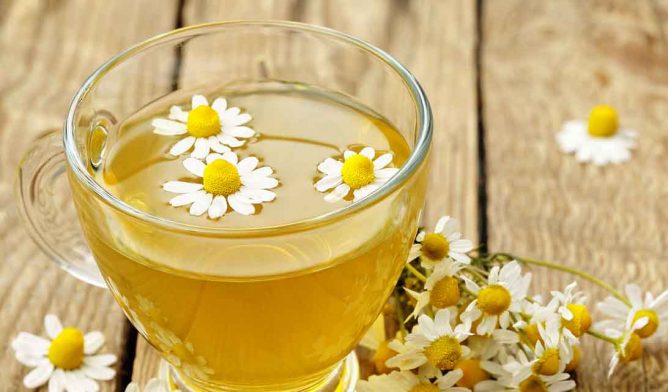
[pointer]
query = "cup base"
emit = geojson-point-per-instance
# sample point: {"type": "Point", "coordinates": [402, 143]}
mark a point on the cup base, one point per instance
{"type": "Point", "coordinates": [342, 379]}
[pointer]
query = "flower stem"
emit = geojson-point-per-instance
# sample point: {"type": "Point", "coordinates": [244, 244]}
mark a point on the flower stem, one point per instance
{"type": "Point", "coordinates": [416, 273]}
{"type": "Point", "coordinates": [572, 271]}
{"type": "Point", "coordinates": [602, 336]}
{"type": "Point", "coordinates": [400, 314]}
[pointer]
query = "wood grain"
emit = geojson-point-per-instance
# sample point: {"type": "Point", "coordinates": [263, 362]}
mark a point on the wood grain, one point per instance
{"type": "Point", "coordinates": [547, 62]}
{"type": "Point", "coordinates": [436, 41]}
{"type": "Point", "coordinates": [48, 48]}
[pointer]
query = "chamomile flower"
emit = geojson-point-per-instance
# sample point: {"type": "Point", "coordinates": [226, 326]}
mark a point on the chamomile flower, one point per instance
{"type": "Point", "coordinates": [552, 352]}
{"type": "Point", "coordinates": [650, 313]}
{"type": "Point", "coordinates": [506, 290]}
{"type": "Point", "coordinates": [209, 128]}
{"type": "Point", "coordinates": [444, 242]}
{"type": "Point", "coordinates": [362, 173]}
{"type": "Point", "coordinates": [509, 375]}
{"type": "Point", "coordinates": [600, 140]}
{"type": "Point", "coordinates": [433, 345]}
{"type": "Point", "coordinates": [483, 348]}
{"type": "Point", "coordinates": [629, 347]}
{"type": "Point", "coordinates": [441, 289]}
{"type": "Point", "coordinates": [571, 306]}
{"type": "Point", "coordinates": [67, 360]}
{"type": "Point", "coordinates": [226, 181]}
{"type": "Point", "coordinates": [405, 381]}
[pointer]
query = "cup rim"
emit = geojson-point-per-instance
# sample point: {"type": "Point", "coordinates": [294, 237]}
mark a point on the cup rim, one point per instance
{"type": "Point", "coordinates": [414, 161]}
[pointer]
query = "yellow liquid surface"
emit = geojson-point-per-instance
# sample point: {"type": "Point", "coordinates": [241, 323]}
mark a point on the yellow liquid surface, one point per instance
{"type": "Point", "coordinates": [257, 313]}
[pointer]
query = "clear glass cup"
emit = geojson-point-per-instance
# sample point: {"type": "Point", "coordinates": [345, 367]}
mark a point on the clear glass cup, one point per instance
{"type": "Point", "coordinates": [291, 331]}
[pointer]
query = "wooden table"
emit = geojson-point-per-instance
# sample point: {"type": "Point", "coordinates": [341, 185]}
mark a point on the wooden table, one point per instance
{"type": "Point", "coordinates": [502, 75]}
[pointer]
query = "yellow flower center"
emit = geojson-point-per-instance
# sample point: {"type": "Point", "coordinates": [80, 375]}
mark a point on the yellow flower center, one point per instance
{"type": "Point", "coordinates": [633, 349]}
{"type": "Point", "coordinates": [581, 320]}
{"type": "Point", "coordinates": [382, 354]}
{"type": "Point", "coordinates": [445, 293]}
{"type": "Point", "coordinates": [444, 352]}
{"type": "Point", "coordinates": [424, 388]}
{"type": "Point", "coordinates": [652, 324]}
{"type": "Point", "coordinates": [221, 178]}
{"type": "Point", "coordinates": [575, 362]}
{"type": "Point", "coordinates": [203, 121]}
{"type": "Point", "coordinates": [472, 373]}
{"type": "Point", "coordinates": [435, 246]}
{"type": "Point", "coordinates": [67, 349]}
{"type": "Point", "coordinates": [357, 171]}
{"type": "Point", "coordinates": [603, 121]}
{"type": "Point", "coordinates": [532, 333]}
{"type": "Point", "coordinates": [494, 299]}
{"type": "Point", "coordinates": [548, 363]}
{"type": "Point", "coordinates": [533, 384]}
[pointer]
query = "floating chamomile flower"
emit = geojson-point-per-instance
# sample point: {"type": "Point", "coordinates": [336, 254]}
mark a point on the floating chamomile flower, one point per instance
{"type": "Point", "coordinates": [358, 172]}
{"type": "Point", "coordinates": [405, 381]}
{"type": "Point", "coordinates": [600, 140]}
{"type": "Point", "coordinates": [444, 242]}
{"type": "Point", "coordinates": [505, 291]}
{"type": "Point", "coordinates": [68, 361]}
{"type": "Point", "coordinates": [208, 127]}
{"type": "Point", "coordinates": [650, 313]}
{"type": "Point", "coordinates": [433, 345]}
{"type": "Point", "coordinates": [225, 181]}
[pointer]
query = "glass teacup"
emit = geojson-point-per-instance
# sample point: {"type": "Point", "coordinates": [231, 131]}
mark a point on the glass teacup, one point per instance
{"type": "Point", "coordinates": [325, 279]}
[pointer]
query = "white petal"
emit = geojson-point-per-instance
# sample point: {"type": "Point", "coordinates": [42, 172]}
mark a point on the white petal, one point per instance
{"type": "Point", "coordinates": [100, 360]}
{"type": "Point", "coordinates": [635, 295]}
{"type": "Point", "coordinates": [368, 152]}
{"type": "Point", "coordinates": [330, 167]}
{"type": "Point", "coordinates": [230, 140]}
{"type": "Point", "coordinates": [93, 341]}
{"type": "Point", "coordinates": [181, 186]}
{"type": "Point", "coordinates": [195, 166]}
{"type": "Point", "coordinates": [39, 375]}
{"type": "Point", "coordinates": [31, 344]}
{"type": "Point", "coordinates": [217, 146]}
{"type": "Point", "coordinates": [347, 154]}
{"type": "Point", "coordinates": [201, 204]}
{"type": "Point", "coordinates": [231, 157]}
{"type": "Point", "coordinates": [219, 105]}
{"type": "Point", "coordinates": [262, 195]}
{"type": "Point", "coordinates": [239, 206]}
{"type": "Point", "coordinates": [218, 207]}
{"type": "Point", "coordinates": [240, 131]}
{"type": "Point", "coordinates": [450, 379]}
{"type": "Point", "coordinates": [99, 373]}
{"type": "Point", "coordinates": [57, 381]}
{"type": "Point", "coordinates": [385, 173]}
{"type": "Point", "coordinates": [52, 326]}
{"type": "Point", "coordinates": [364, 191]}
{"type": "Point", "coordinates": [232, 118]}
{"type": "Point", "coordinates": [178, 114]}
{"type": "Point", "coordinates": [201, 148]}
{"type": "Point", "coordinates": [259, 182]}
{"type": "Point", "coordinates": [247, 165]}
{"type": "Point", "coordinates": [182, 146]}
{"type": "Point", "coordinates": [185, 199]}
{"type": "Point", "coordinates": [338, 193]}
{"type": "Point", "coordinates": [199, 100]}
{"type": "Point", "coordinates": [382, 161]}
{"type": "Point", "coordinates": [328, 182]}
{"type": "Point", "coordinates": [29, 359]}
{"type": "Point", "coordinates": [212, 157]}
{"type": "Point", "coordinates": [264, 171]}
{"type": "Point", "coordinates": [163, 126]}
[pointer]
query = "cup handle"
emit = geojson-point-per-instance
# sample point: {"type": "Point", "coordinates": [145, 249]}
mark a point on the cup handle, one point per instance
{"type": "Point", "coordinates": [45, 205]}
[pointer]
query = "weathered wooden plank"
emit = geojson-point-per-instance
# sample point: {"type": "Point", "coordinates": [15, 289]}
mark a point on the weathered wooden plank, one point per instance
{"type": "Point", "coordinates": [548, 62]}
{"type": "Point", "coordinates": [436, 41]}
{"type": "Point", "coordinates": [48, 48]}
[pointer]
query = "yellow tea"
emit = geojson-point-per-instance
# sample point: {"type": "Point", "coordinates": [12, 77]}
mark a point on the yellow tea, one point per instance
{"type": "Point", "coordinates": [253, 311]}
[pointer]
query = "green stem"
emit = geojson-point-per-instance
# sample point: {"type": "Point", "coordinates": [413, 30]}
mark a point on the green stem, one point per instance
{"type": "Point", "coordinates": [416, 273]}
{"type": "Point", "coordinates": [575, 272]}
{"type": "Point", "coordinates": [400, 314]}
{"type": "Point", "coordinates": [602, 336]}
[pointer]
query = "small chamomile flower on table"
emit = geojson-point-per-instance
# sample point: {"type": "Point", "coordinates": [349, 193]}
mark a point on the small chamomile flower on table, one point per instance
{"type": "Point", "coordinates": [208, 127]}
{"type": "Point", "coordinates": [444, 242]}
{"type": "Point", "coordinates": [600, 140]}
{"type": "Point", "coordinates": [67, 360]}
{"type": "Point", "coordinates": [441, 290]}
{"type": "Point", "coordinates": [362, 173]}
{"type": "Point", "coordinates": [225, 181]}
{"type": "Point", "coordinates": [505, 291]}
